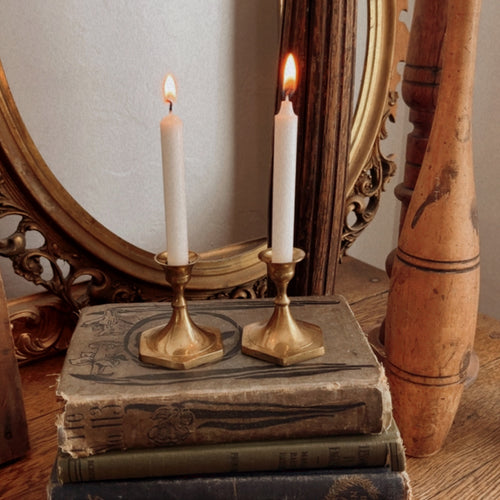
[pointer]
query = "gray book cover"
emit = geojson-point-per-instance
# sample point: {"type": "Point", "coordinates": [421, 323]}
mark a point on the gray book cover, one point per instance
{"type": "Point", "coordinates": [113, 401]}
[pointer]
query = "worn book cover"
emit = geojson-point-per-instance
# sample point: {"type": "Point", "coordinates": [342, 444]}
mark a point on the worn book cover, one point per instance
{"type": "Point", "coordinates": [362, 484]}
{"type": "Point", "coordinates": [328, 452]}
{"type": "Point", "coordinates": [113, 401]}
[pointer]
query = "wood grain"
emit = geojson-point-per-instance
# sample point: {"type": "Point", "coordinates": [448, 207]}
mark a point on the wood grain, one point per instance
{"type": "Point", "coordinates": [27, 478]}
{"type": "Point", "coordinates": [420, 88]}
{"type": "Point", "coordinates": [433, 301]}
{"type": "Point", "coordinates": [467, 467]}
{"type": "Point", "coordinates": [14, 441]}
{"type": "Point", "coordinates": [321, 34]}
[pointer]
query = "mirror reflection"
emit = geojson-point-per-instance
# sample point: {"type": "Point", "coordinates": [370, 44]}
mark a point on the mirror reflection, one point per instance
{"type": "Point", "coordinates": [361, 42]}
{"type": "Point", "coordinates": [87, 77]}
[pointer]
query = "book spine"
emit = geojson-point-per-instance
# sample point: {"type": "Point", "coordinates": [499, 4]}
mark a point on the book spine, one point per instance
{"type": "Point", "coordinates": [88, 429]}
{"type": "Point", "coordinates": [355, 451]}
{"type": "Point", "coordinates": [354, 483]}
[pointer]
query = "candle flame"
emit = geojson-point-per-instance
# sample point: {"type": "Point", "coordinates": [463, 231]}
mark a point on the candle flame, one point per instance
{"type": "Point", "coordinates": [290, 76]}
{"type": "Point", "coordinates": [169, 89]}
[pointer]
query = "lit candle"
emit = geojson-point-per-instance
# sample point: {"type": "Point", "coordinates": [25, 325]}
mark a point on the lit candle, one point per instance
{"type": "Point", "coordinates": [173, 180]}
{"type": "Point", "coordinates": [285, 154]}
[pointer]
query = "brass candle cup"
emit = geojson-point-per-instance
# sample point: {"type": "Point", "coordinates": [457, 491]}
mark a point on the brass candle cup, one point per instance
{"type": "Point", "coordinates": [282, 340]}
{"type": "Point", "coordinates": [181, 344]}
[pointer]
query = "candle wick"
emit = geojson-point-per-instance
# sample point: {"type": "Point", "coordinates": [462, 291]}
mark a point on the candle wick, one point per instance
{"type": "Point", "coordinates": [170, 106]}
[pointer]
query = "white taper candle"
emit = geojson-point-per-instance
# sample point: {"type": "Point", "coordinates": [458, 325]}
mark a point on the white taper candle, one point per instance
{"type": "Point", "coordinates": [284, 167]}
{"type": "Point", "coordinates": [172, 151]}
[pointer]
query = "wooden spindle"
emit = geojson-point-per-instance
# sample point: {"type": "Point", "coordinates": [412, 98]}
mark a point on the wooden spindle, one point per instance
{"type": "Point", "coordinates": [433, 300]}
{"type": "Point", "coordinates": [420, 87]}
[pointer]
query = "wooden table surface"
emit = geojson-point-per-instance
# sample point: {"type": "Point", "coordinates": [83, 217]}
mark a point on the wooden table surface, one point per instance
{"type": "Point", "coordinates": [467, 468]}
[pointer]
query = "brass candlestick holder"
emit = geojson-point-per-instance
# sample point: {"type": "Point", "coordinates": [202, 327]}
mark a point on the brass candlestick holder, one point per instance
{"type": "Point", "coordinates": [282, 340]}
{"type": "Point", "coordinates": [180, 344]}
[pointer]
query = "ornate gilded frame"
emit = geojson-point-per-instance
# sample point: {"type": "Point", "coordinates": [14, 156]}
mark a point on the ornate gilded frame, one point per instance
{"type": "Point", "coordinates": [369, 170]}
{"type": "Point", "coordinates": [78, 248]}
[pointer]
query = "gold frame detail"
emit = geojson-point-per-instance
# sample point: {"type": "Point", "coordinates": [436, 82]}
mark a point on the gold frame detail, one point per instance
{"type": "Point", "coordinates": [369, 170]}
{"type": "Point", "coordinates": [80, 262]}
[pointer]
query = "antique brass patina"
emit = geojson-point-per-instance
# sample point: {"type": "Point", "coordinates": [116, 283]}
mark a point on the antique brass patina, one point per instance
{"type": "Point", "coordinates": [181, 344]}
{"type": "Point", "coordinates": [282, 340]}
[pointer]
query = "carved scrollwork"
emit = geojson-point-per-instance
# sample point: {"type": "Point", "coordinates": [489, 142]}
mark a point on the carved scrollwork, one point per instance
{"type": "Point", "coordinates": [254, 290]}
{"type": "Point", "coordinates": [370, 170]}
{"type": "Point", "coordinates": [364, 199]}
{"type": "Point", "coordinates": [41, 326]}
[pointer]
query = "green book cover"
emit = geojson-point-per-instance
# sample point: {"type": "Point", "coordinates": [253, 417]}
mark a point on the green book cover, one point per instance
{"type": "Point", "coordinates": [113, 401]}
{"type": "Point", "coordinates": [329, 452]}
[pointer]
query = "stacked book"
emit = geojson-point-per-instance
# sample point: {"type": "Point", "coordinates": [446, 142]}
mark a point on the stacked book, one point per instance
{"type": "Point", "coordinates": [239, 428]}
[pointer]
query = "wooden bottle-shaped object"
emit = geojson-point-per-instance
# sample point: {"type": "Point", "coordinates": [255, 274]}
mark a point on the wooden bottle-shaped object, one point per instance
{"type": "Point", "coordinates": [433, 300]}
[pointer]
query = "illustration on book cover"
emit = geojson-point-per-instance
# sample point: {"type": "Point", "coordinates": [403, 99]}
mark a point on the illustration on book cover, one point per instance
{"type": "Point", "coordinates": [108, 388]}
{"type": "Point", "coordinates": [103, 355]}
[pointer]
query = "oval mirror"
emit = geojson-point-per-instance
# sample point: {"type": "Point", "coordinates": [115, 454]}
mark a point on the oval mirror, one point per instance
{"type": "Point", "coordinates": [75, 246]}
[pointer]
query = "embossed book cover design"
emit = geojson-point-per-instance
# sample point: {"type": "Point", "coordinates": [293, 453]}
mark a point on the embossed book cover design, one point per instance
{"type": "Point", "coordinates": [113, 401]}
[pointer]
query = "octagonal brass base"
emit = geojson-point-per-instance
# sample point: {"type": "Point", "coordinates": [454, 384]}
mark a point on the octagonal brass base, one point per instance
{"type": "Point", "coordinates": [303, 342]}
{"type": "Point", "coordinates": [282, 340]}
{"type": "Point", "coordinates": [180, 344]}
{"type": "Point", "coordinates": [161, 346]}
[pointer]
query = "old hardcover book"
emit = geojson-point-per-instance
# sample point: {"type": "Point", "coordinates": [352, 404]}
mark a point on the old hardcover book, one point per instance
{"type": "Point", "coordinates": [363, 484]}
{"type": "Point", "coordinates": [113, 401]}
{"type": "Point", "coordinates": [330, 452]}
